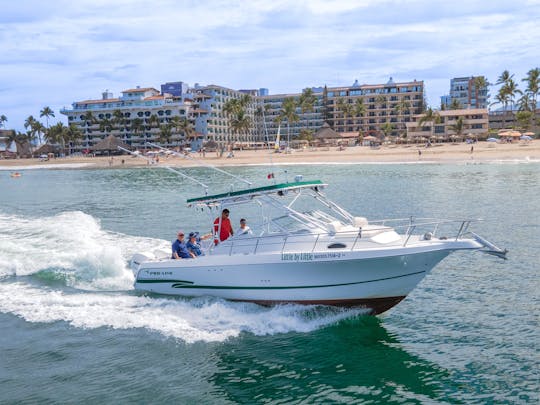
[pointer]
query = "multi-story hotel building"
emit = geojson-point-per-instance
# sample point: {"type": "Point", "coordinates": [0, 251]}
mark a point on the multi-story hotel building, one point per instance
{"type": "Point", "coordinates": [364, 109]}
{"type": "Point", "coordinates": [135, 117]}
{"type": "Point", "coordinates": [465, 92]}
{"type": "Point", "coordinates": [385, 109]}
{"type": "Point", "coordinates": [202, 106]}
{"type": "Point", "coordinates": [475, 123]}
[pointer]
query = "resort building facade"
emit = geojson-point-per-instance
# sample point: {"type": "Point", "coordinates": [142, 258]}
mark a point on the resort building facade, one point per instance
{"type": "Point", "coordinates": [449, 124]}
{"type": "Point", "coordinates": [182, 116]}
{"type": "Point", "coordinates": [138, 116]}
{"type": "Point", "coordinates": [371, 110]}
{"type": "Point", "coordinates": [466, 92]}
{"type": "Point", "coordinates": [513, 119]}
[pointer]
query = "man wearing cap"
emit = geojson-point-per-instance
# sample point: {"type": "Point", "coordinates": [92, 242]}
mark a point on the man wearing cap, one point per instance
{"type": "Point", "coordinates": [179, 248]}
{"type": "Point", "coordinates": [194, 243]}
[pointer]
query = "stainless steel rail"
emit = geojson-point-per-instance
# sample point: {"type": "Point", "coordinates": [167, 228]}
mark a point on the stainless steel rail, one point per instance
{"type": "Point", "coordinates": [427, 228]}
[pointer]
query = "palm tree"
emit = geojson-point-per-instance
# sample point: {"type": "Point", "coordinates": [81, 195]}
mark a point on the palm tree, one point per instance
{"type": "Point", "coordinates": [430, 116]}
{"type": "Point", "coordinates": [307, 101]}
{"type": "Point", "coordinates": [118, 119]}
{"type": "Point", "coordinates": [58, 134]}
{"type": "Point", "coordinates": [30, 124]}
{"type": "Point", "coordinates": [153, 122]}
{"type": "Point", "coordinates": [511, 89]}
{"type": "Point", "coordinates": [89, 120]}
{"type": "Point", "coordinates": [502, 99]}
{"type": "Point", "coordinates": [38, 129]}
{"type": "Point", "coordinates": [165, 134]}
{"type": "Point", "coordinates": [458, 127]}
{"type": "Point", "coordinates": [3, 120]}
{"type": "Point", "coordinates": [186, 127]}
{"type": "Point", "coordinates": [241, 123]}
{"type": "Point", "coordinates": [21, 141]}
{"type": "Point", "coordinates": [137, 125]}
{"type": "Point", "coordinates": [340, 107]}
{"type": "Point", "coordinates": [11, 138]}
{"type": "Point", "coordinates": [106, 125]}
{"type": "Point", "coordinates": [72, 135]}
{"type": "Point", "coordinates": [381, 100]}
{"type": "Point", "coordinates": [387, 128]}
{"type": "Point", "coordinates": [533, 86]}
{"type": "Point", "coordinates": [480, 85]}
{"type": "Point", "coordinates": [359, 111]}
{"type": "Point", "coordinates": [288, 112]}
{"type": "Point", "coordinates": [455, 104]}
{"type": "Point", "coordinates": [401, 107]}
{"type": "Point", "coordinates": [504, 77]}
{"type": "Point", "coordinates": [47, 113]}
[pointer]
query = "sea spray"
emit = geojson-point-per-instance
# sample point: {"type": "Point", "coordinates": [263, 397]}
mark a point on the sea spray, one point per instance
{"type": "Point", "coordinates": [189, 320]}
{"type": "Point", "coordinates": [70, 246]}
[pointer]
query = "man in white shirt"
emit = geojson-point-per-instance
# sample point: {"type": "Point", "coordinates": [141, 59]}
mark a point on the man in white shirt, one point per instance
{"type": "Point", "coordinates": [244, 229]}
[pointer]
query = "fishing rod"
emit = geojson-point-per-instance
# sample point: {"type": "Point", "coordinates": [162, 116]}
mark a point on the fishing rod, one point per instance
{"type": "Point", "coordinates": [200, 162]}
{"type": "Point", "coordinates": [168, 168]}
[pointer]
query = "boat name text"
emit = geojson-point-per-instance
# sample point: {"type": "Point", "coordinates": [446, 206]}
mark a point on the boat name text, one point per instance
{"type": "Point", "coordinates": [295, 257]}
{"type": "Point", "coordinates": [160, 273]}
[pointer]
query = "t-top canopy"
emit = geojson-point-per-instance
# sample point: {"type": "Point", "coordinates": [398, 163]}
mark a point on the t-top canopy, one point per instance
{"type": "Point", "coordinates": [252, 192]}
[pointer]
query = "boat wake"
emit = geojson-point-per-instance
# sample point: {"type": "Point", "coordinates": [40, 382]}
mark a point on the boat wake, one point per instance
{"type": "Point", "coordinates": [70, 247]}
{"type": "Point", "coordinates": [66, 268]}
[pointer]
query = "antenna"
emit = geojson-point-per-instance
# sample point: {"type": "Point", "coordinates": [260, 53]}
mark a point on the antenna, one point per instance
{"type": "Point", "coordinates": [200, 162]}
{"type": "Point", "coordinates": [168, 168]}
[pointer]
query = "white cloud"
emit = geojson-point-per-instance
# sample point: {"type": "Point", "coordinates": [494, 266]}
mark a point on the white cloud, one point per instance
{"type": "Point", "coordinates": [54, 54]}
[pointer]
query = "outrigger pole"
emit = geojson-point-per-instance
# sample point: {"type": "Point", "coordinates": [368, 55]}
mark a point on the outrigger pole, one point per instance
{"type": "Point", "coordinates": [200, 162]}
{"type": "Point", "coordinates": [168, 168]}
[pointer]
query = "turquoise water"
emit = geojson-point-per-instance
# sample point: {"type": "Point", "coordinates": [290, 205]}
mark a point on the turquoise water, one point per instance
{"type": "Point", "coordinates": [73, 329]}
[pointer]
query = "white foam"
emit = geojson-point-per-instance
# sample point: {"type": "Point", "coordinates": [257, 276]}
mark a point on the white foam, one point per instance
{"type": "Point", "coordinates": [49, 166]}
{"type": "Point", "coordinates": [94, 261]}
{"type": "Point", "coordinates": [72, 245]}
{"type": "Point", "coordinates": [202, 319]}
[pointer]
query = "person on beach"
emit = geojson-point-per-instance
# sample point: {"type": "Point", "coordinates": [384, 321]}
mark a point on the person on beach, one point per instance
{"type": "Point", "coordinates": [179, 248]}
{"type": "Point", "coordinates": [223, 226]}
{"type": "Point", "coordinates": [244, 228]}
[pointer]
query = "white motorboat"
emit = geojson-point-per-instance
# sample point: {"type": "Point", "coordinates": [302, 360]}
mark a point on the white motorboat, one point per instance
{"type": "Point", "coordinates": [308, 250]}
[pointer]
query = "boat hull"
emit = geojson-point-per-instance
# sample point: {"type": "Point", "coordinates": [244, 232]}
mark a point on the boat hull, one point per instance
{"type": "Point", "coordinates": [376, 283]}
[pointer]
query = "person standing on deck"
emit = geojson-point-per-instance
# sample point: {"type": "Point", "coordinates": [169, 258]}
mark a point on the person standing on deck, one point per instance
{"type": "Point", "coordinates": [222, 225]}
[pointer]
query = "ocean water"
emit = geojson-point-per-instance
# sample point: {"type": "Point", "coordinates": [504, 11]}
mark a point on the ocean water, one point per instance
{"type": "Point", "coordinates": [72, 329]}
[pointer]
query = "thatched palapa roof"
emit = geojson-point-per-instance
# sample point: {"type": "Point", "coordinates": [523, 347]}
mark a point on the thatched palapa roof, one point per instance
{"type": "Point", "coordinates": [325, 132]}
{"type": "Point", "coordinates": [111, 144]}
{"type": "Point", "coordinates": [46, 149]}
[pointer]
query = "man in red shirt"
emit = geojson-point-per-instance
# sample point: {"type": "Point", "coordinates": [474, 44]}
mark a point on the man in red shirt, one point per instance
{"type": "Point", "coordinates": [225, 228]}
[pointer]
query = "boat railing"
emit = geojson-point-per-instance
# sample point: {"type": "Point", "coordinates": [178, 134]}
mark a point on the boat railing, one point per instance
{"type": "Point", "coordinates": [407, 228]}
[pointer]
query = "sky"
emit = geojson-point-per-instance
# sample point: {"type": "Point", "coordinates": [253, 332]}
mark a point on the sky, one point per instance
{"type": "Point", "coordinates": [55, 52]}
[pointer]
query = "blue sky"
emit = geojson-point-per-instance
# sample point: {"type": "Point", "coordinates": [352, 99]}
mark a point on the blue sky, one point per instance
{"type": "Point", "coordinates": [53, 53]}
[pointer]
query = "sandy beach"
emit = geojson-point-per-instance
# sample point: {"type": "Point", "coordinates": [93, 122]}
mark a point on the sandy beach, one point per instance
{"type": "Point", "coordinates": [438, 153]}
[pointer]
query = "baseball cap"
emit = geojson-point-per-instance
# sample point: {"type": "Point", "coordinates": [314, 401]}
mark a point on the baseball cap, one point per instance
{"type": "Point", "coordinates": [193, 234]}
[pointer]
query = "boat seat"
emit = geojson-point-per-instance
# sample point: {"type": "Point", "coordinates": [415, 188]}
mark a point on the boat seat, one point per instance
{"type": "Point", "coordinates": [360, 222]}
{"type": "Point", "coordinates": [334, 227]}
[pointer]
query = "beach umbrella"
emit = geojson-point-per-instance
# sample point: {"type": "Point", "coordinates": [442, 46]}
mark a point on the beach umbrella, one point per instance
{"type": "Point", "coordinates": [492, 139]}
{"type": "Point", "coordinates": [528, 133]}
